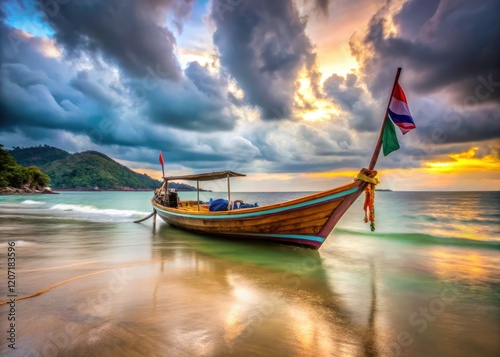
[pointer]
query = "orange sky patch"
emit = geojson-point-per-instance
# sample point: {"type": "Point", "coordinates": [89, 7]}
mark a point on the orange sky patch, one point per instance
{"type": "Point", "coordinates": [465, 162]}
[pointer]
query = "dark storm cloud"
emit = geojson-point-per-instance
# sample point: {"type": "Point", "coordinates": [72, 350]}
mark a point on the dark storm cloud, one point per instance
{"type": "Point", "coordinates": [42, 93]}
{"type": "Point", "coordinates": [205, 82]}
{"type": "Point", "coordinates": [448, 50]}
{"type": "Point", "coordinates": [322, 5]}
{"type": "Point", "coordinates": [263, 46]}
{"type": "Point", "coordinates": [35, 90]}
{"type": "Point", "coordinates": [30, 100]}
{"type": "Point", "coordinates": [91, 88]}
{"type": "Point", "coordinates": [326, 143]}
{"type": "Point", "coordinates": [84, 102]}
{"type": "Point", "coordinates": [413, 15]}
{"type": "Point", "coordinates": [441, 126]}
{"type": "Point", "coordinates": [353, 99]}
{"type": "Point", "coordinates": [130, 33]}
{"type": "Point", "coordinates": [307, 166]}
{"type": "Point", "coordinates": [302, 146]}
{"type": "Point", "coordinates": [198, 102]}
{"type": "Point", "coordinates": [445, 46]}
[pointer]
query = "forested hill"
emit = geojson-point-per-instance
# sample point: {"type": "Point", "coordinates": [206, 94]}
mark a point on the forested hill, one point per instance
{"type": "Point", "coordinates": [85, 170]}
{"type": "Point", "coordinates": [40, 156]}
{"type": "Point", "coordinates": [91, 168]}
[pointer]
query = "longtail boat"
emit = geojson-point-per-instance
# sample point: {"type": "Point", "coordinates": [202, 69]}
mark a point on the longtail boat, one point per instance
{"type": "Point", "coordinates": [305, 221]}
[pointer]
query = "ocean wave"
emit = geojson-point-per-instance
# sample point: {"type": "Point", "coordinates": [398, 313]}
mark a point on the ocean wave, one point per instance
{"type": "Point", "coordinates": [481, 219]}
{"type": "Point", "coordinates": [98, 211]}
{"type": "Point", "coordinates": [422, 217]}
{"type": "Point", "coordinates": [423, 238]}
{"type": "Point", "coordinates": [31, 202]}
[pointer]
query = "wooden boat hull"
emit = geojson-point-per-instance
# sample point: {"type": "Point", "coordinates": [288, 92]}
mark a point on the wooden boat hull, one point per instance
{"type": "Point", "coordinates": [305, 221]}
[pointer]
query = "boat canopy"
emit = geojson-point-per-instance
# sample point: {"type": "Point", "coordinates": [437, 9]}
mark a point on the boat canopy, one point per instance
{"type": "Point", "coordinates": [209, 176]}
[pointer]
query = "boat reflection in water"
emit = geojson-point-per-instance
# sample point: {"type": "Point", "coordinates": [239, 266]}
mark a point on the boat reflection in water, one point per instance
{"type": "Point", "coordinates": [175, 293]}
{"type": "Point", "coordinates": [217, 298]}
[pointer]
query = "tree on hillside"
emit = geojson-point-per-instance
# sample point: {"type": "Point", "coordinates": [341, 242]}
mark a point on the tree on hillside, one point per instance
{"type": "Point", "coordinates": [14, 175]}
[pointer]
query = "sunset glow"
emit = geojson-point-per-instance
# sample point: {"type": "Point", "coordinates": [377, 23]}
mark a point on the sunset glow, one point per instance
{"type": "Point", "coordinates": [465, 162]}
{"type": "Point", "coordinates": [295, 98]}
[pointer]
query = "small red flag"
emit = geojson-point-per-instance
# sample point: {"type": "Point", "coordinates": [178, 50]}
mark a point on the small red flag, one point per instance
{"type": "Point", "coordinates": [161, 159]}
{"type": "Point", "coordinates": [162, 163]}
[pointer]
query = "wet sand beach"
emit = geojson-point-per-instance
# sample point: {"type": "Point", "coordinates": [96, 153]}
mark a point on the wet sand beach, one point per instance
{"type": "Point", "coordinates": [144, 290]}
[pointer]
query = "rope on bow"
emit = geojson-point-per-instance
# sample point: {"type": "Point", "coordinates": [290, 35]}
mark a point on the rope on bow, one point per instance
{"type": "Point", "coordinates": [369, 176]}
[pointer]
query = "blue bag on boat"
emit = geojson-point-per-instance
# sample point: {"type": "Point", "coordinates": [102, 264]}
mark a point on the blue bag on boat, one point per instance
{"type": "Point", "coordinates": [248, 205]}
{"type": "Point", "coordinates": [219, 204]}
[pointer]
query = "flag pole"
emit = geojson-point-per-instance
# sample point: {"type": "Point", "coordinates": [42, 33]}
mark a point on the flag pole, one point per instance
{"type": "Point", "coordinates": [376, 152]}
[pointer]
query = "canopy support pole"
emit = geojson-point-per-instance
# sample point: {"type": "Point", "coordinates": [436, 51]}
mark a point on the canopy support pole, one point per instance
{"type": "Point", "coordinates": [198, 193]}
{"type": "Point", "coordinates": [228, 189]}
{"type": "Point", "coordinates": [165, 195]}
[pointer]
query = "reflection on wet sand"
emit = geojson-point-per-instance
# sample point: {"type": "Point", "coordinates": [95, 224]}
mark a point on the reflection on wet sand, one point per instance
{"type": "Point", "coordinates": [371, 336]}
{"type": "Point", "coordinates": [470, 266]}
{"type": "Point", "coordinates": [266, 298]}
{"type": "Point", "coordinates": [207, 298]}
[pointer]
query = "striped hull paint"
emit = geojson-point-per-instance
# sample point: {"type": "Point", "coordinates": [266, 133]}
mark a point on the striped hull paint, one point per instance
{"type": "Point", "coordinates": [305, 221]}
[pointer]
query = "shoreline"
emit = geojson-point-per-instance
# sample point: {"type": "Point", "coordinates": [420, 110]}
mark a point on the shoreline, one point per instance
{"type": "Point", "coordinates": [29, 191]}
{"type": "Point", "coordinates": [25, 191]}
{"type": "Point", "coordinates": [102, 189]}
{"type": "Point", "coordinates": [127, 189]}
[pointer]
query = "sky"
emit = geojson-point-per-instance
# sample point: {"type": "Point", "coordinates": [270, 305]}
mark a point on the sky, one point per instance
{"type": "Point", "coordinates": [290, 92]}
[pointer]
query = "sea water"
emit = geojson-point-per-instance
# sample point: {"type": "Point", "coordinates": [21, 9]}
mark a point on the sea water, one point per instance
{"type": "Point", "coordinates": [425, 283]}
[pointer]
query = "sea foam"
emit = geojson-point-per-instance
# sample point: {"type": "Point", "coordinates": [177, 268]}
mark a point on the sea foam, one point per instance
{"type": "Point", "coordinates": [97, 211]}
{"type": "Point", "coordinates": [31, 202]}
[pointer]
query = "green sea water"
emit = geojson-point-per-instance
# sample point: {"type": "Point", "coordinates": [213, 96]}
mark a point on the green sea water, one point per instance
{"type": "Point", "coordinates": [426, 283]}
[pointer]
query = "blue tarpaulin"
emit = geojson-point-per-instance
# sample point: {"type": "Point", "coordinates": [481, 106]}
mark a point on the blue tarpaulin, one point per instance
{"type": "Point", "coordinates": [219, 204]}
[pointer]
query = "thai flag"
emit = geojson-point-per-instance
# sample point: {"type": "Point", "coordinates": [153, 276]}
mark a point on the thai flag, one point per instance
{"type": "Point", "coordinates": [399, 111]}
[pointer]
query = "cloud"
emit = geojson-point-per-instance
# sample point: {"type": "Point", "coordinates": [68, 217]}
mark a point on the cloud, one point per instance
{"type": "Point", "coordinates": [132, 34]}
{"type": "Point", "coordinates": [206, 82]}
{"type": "Point", "coordinates": [199, 102]}
{"type": "Point", "coordinates": [87, 96]}
{"type": "Point", "coordinates": [84, 83]}
{"type": "Point", "coordinates": [444, 45]}
{"type": "Point", "coordinates": [354, 100]}
{"type": "Point", "coordinates": [93, 107]}
{"type": "Point", "coordinates": [83, 89]}
{"type": "Point", "coordinates": [302, 147]}
{"type": "Point", "coordinates": [322, 5]}
{"type": "Point", "coordinates": [449, 53]}
{"type": "Point", "coordinates": [263, 45]}
{"type": "Point", "coordinates": [413, 16]}
{"type": "Point", "coordinates": [78, 105]}
{"type": "Point", "coordinates": [446, 125]}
